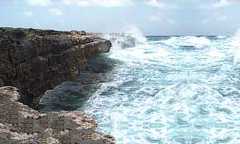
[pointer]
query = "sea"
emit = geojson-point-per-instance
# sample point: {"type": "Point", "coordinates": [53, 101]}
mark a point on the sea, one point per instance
{"type": "Point", "coordinates": [166, 90]}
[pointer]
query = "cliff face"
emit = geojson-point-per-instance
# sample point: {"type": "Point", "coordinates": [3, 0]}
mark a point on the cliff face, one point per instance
{"type": "Point", "coordinates": [37, 60]}
{"type": "Point", "coordinates": [20, 124]}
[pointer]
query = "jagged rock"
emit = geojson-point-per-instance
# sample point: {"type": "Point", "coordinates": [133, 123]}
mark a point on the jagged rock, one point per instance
{"type": "Point", "coordinates": [37, 60]}
{"type": "Point", "coordinates": [19, 124]}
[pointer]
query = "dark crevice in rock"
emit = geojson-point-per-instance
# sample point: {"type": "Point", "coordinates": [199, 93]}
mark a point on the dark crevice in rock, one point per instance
{"type": "Point", "coordinates": [72, 95]}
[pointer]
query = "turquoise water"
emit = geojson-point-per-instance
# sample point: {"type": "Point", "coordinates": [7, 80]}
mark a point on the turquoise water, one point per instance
{"type": "Point", "coordinates": [171, 90]}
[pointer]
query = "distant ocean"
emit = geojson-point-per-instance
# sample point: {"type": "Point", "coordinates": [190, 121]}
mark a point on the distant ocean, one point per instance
{"type": "Point", "coordinates": [170, 90]}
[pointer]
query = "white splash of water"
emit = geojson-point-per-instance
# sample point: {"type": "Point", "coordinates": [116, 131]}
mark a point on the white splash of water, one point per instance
{"type": "Point", "coordinates": [235, 44]}
{"type": "Point", "coordinates": [128, 37]}
{"type": "Point", "coordinates": [170, 95]}
{"type": "Point", "coordinates": [198, 42]}
{"type": "Point", "coordinates": [136, 33]}
{"type": "Point", "coordinates": [216, 54]}
{"type": "Point", "coordinates": [221, 37]}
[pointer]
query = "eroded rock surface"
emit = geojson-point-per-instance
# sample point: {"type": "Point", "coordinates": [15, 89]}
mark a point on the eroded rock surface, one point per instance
{"type": "Point", "coordinates": [37, 60]}
{"type": "Point", "coordinates": [20, 124]}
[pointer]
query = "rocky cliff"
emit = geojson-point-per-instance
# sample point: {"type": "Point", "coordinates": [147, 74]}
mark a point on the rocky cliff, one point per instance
{"type": "Point", "coordinates": [20, 124]}
{"type": "Point", "coordinates": [37, 60]}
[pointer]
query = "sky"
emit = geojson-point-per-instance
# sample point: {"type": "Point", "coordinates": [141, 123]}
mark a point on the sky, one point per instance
{"type": "Point", "coordinates": [152, 17]}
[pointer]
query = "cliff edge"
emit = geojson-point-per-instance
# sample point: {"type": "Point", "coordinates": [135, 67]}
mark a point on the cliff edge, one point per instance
{"type": "Point", "coordinates": [37, 60]}
{"type": "Point", "coordinates": [31, 62]}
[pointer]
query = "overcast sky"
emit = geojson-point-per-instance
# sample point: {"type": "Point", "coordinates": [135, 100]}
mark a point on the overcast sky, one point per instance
{"type": "Point", "coordinates": [153, 17]}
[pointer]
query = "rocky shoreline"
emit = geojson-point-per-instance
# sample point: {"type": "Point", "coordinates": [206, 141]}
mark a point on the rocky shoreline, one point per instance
{"type": "Point", "coordinates": [34, 61]}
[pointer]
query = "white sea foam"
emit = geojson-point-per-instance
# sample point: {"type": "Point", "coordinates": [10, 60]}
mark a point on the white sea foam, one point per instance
{"type": "Point", "coordinates": [162, 93]}
{"type": "Point", "coordinates": [130, 36]}
{"type": "Point", "coordinates": [221, 37]}
{"type": "Point", "coordinates": [136, 33]}
{"type": "Point", "coordinates": [215, 53]}
{"type": "Point", "coordinates": [235, 44]}
{"type": "Point", "coordinates": [165, 94]}
{"type": "Point", "coordinates": [197, 42]}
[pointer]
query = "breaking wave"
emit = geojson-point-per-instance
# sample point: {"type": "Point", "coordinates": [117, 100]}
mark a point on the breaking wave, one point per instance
{"type": "Point", "coordinates": [188, 41]}
{"type": "Point", "coordinates": [170, 90]}
{"type": "Point", "coordinates": [235, 44]}
{"type": "Point", "coordinates": [131, 37]}
{"type": "Point", "coordinates": [174, 90]}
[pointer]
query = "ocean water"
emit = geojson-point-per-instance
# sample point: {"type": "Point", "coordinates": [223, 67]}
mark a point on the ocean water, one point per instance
{"type": "Point", "coordinates": [171, 90]}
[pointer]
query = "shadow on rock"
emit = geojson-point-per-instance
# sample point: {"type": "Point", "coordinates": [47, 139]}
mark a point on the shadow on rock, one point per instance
{"type": "Point", "coordinates": [71, 95]}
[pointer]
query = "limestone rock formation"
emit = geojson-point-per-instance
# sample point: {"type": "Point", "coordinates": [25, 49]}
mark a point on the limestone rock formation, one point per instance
{"type": "Point", "coordinates": [20, 124]}
{"type": "Point", "coordinates": [37, 60]}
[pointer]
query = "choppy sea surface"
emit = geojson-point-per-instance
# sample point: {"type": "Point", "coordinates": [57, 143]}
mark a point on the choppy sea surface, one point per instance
{"type": "Point", "coordinates": [171, 90]}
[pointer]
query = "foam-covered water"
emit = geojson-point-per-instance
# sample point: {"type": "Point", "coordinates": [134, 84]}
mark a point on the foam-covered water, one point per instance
{"type": "Point", "coordinates": [171, 90]}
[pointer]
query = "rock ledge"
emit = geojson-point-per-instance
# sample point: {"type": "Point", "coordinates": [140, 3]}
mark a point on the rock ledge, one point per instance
{"type": "Point", "coordinates": [37, 60]}
{"type": "Point", "coordinates": [20, 124]}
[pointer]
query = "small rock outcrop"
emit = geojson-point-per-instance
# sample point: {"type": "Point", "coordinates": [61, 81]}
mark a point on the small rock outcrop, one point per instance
{"type": "Point", "coordinates": [37, 60]}
{"type": "Point", "coordinates": [20, 124]}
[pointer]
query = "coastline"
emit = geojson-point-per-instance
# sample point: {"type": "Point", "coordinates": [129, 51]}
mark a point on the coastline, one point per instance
{"type": "Point", "coordinates": [34, 61]}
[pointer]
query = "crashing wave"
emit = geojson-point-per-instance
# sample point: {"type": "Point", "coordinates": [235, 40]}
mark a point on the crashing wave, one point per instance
{"type": "Point", "coordinates": [221, 37]}
{"type": "Point", "coordinates": [131, 37]}
{"type": "Point", "coordinates": [121, 40]}
{"type": "Point", "coordinates": [188, 42]}
{"type": "Point", "coordinates": [137, 34]}
{"type": "Point", "coordinates": [235, 44]}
